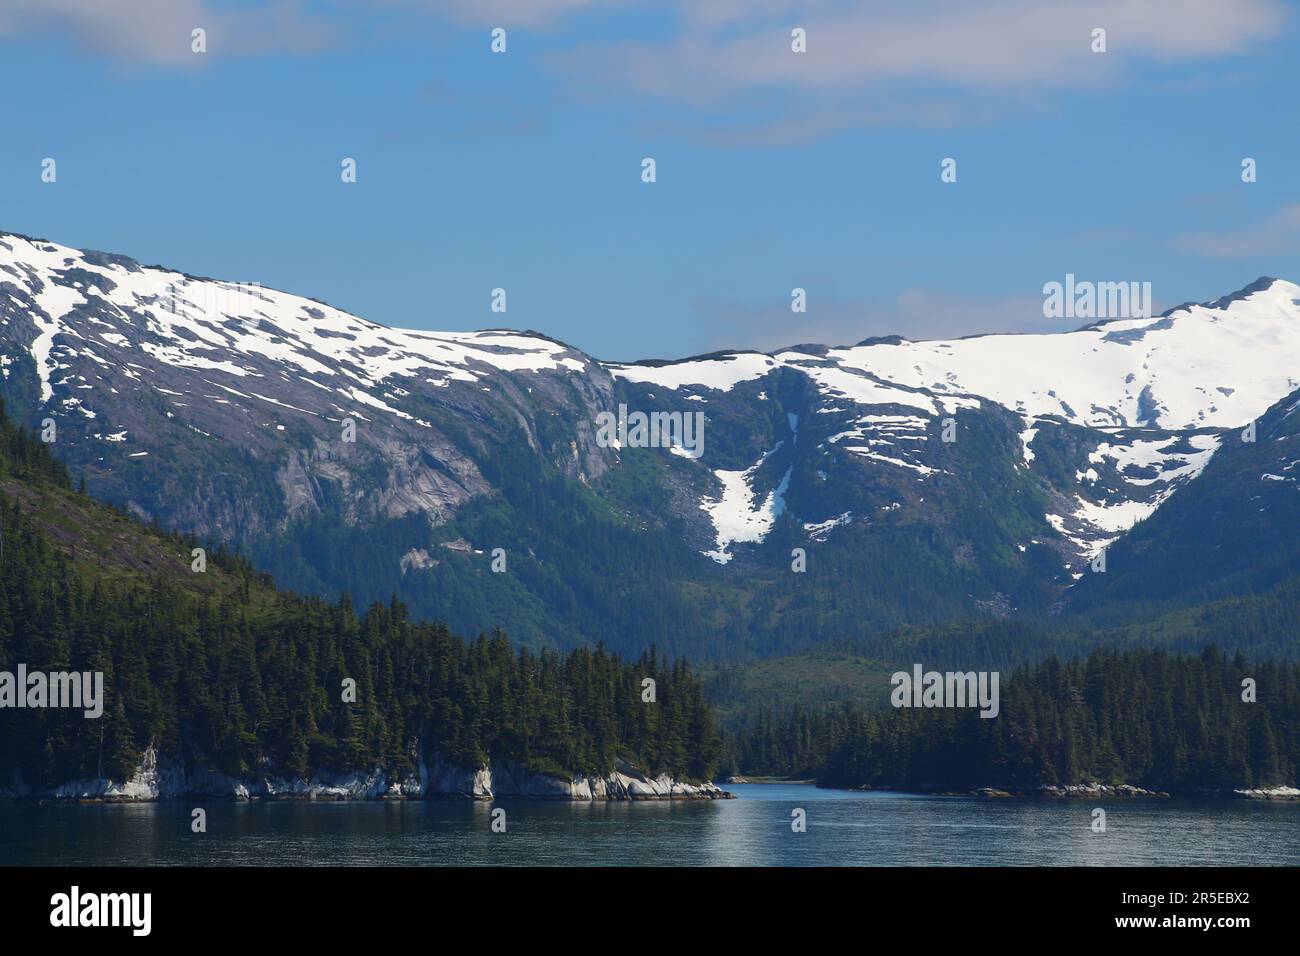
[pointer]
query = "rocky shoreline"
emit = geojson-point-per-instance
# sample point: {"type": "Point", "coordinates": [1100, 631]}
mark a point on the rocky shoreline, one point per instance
{"type": "Point", "coordinates": [1091, 791]}
{"type": "Point", "coordinates": [159, 777]}
{"type": "Point", "coordinates": [1098, 791]}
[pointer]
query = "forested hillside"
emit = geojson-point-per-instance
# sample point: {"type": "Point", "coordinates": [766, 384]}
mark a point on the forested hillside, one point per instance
{"type": "Point", "coordinates": [1148, 718]}
{"type": "Point", "coordinates": [236, 677]}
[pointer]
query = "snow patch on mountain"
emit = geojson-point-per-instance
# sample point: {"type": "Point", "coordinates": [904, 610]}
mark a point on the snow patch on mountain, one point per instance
{"type": "Point", "coordinates": [1027, 440]}
{"type": "Point", "coordinates": [1152, 469]}
{"type": "Point", "coordinates": [720, 373]}
{"type": "Point", "coordinates": [820, 530]}
{"type": "Point", "coordinates": [1144, 463]}
{"type": "Point", "coordinates": [738, 515]}
{"type": "Point", "coordinates": [895, 440]}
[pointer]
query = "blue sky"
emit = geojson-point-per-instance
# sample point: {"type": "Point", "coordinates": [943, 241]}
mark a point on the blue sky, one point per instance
{"type": "Point", "coordinates": [774, 169]}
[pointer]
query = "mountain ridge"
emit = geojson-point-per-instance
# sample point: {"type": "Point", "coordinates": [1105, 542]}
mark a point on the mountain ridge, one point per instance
{"type": "Point", "coordinates": [1259, 284]}
{"type": "Point", "coordinates": [999, 465]}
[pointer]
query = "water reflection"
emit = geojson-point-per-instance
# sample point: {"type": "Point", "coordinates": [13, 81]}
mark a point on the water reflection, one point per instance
{"type": "Point", "coordinates": [846, 829]}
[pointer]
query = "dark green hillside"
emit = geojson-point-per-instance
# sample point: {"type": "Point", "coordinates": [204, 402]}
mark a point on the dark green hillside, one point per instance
{"type": "Point", "coordinates": [241, 678]}
{"type": "Point", "coordinates": [1148, 718]}
{"type": "Point", "coordinates": [781, 706]}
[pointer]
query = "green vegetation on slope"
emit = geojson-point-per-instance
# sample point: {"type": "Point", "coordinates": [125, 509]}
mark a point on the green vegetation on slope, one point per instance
{"type": "Point", "coordinates": [1149, 718]}
{"type": "Point", "coordinates": [239, 678]}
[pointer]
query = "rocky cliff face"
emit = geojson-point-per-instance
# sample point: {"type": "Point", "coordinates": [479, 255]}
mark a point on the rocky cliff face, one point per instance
{"type": "Point", "coordinates": [165, 778]}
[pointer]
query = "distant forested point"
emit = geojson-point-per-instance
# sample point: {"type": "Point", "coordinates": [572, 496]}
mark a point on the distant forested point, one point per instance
{"type": "Point", "coordinates": [1143, 717]}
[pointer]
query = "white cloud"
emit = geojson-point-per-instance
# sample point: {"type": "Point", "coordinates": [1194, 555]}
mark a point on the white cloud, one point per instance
{"type": "Point", "coordinates": [871, 59]}
{"type": "Point", "coordinates": [158, 32]}
{"type": "Point", "coordinates": [514, 13]}
{"type": "Point", "coordinates": [915, 314]}
{"type": "Point", "coordinates": [869, 62]}
{"type": "Point", "coordinates": [1276, 234]}
{"type": "Point", "coordinates": [996, 44]}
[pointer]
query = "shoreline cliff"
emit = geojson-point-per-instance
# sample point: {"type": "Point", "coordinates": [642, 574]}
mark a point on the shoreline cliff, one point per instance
{"type": "Point", "coordinates": [160, 777]}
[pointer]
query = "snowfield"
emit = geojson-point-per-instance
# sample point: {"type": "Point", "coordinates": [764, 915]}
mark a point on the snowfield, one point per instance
{"type": "Point", "coordinates": [1198, 366]}
{"type": "Point", "coordinates": [215, 326]}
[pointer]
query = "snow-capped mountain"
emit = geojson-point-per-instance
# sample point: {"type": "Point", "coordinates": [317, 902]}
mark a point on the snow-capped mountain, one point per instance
{"type": "Point", "coordinates": [344, 454]}
{"type": "Point", "coordinates": [1151, 397]}
{"type": "Point", "coordinates": [135, 361]}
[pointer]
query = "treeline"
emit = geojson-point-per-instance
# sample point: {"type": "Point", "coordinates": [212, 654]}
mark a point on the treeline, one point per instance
{"type": "Point", "coordinates": [23, 455]}
{"type": "Point", "coordinates": [249, 682]}
{"type": "Point", "coordinates": [250, 691]}
{"type": "Point", "coordinates": [1144, 717]}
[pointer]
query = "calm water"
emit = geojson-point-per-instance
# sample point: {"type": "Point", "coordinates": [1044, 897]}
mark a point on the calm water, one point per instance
{"type": "Point", "coordinates": [867, 829]}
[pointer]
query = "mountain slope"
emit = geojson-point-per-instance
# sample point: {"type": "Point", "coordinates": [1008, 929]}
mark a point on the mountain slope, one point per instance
{"type": "Point", "coordinates": [923, 481]}
{"type": "Point", "coordinates": [1231, 532]}
{"type": "Point", "coordinates": [1149, 396]}
{"type": "Point", "coordinates": [246, 383]}
{"type": "Point", "coordinates": [108, 548]}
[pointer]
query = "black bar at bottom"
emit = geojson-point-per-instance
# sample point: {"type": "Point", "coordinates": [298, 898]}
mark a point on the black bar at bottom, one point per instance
{"type": "Point", "coordinates": [648, 906]}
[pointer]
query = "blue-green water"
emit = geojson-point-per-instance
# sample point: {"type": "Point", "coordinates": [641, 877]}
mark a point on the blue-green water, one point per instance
{"type": "Point", "coordinates": [843, 828]}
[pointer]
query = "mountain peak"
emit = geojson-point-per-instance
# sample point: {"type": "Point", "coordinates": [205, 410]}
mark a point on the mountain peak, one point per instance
{"type": "Point", "coordinates": [1262, 284]}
